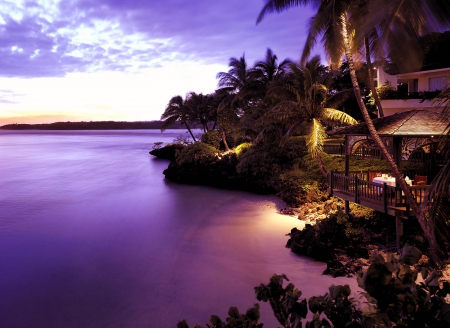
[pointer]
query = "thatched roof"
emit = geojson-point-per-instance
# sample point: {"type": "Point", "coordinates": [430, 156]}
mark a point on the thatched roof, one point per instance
{"type": "Point", "coordinates": [418, 123]}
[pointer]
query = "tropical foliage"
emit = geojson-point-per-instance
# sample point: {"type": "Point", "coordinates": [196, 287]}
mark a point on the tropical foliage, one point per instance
{"type": "Point", "coordinates": [382, 28]}
{"type": "Point", "coordinates": [393, 298]}
{"type": "Point", "coordinates": [273, 100]}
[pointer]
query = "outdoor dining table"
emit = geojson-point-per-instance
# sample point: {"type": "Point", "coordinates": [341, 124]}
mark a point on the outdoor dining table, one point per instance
{"type": "Point", "coordinates": [390, 181]}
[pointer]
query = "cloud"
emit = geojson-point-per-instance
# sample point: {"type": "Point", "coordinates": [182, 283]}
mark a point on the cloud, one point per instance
{"type": "Point", "coordinates": [49, 38]}
{"type": "Point", "coordinates": [10, 96]}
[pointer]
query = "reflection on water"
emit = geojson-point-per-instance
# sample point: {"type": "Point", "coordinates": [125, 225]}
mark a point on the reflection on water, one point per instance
{"type": "Point", "coordinates": [91, 235]}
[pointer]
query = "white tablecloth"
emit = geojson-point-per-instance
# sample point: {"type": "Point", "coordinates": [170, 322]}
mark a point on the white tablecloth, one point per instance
{"type": "Point", "coordinates": [389, 181]}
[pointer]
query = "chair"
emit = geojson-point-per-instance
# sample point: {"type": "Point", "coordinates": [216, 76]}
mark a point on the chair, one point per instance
{"type": "Point", "coordinates": [420, 180]}
{"type": "Point", "coordinates": [373, 175]}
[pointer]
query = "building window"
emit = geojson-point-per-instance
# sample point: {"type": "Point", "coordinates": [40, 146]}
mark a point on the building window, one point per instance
{"type": "Point", "coordinates": [437, 83]}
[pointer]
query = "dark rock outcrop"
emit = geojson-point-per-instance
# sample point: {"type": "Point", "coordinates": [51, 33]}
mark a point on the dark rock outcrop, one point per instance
{"type": "Point", "coordinates": [167, 152]}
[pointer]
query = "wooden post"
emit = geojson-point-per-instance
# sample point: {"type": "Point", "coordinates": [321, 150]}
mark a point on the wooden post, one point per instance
{"type": "Point", "coordinates": [346, 168]}
{"type": "Point", "coordinates": [398, 231]}
{"type": "Point", "coordinates": [398, 160]}
{"type": "Point", "coordinates": [356, 190]}
{"type": "Point", "coordinates": [433, 170]}
{"type": "Point", "coordinates": [331, 184]}
{"type": "Point", "coordinates": [385, 202]}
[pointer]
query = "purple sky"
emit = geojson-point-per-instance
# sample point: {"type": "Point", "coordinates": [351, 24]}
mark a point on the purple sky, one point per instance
{"type": "Point", "coordinates": [124, 60]}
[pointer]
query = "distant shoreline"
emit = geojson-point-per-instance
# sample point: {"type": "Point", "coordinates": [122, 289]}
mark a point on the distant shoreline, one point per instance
{"type": "Point", "coordinates": [97, 125]}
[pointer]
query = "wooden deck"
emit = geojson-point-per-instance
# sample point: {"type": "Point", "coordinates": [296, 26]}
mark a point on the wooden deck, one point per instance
{"type": "Point", "coordinates": [380, 197]}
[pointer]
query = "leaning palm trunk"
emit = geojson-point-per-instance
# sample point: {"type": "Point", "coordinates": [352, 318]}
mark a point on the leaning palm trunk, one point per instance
{"type": "Point", "coordinates": [426, 225]}
{"type": "Point", "coordinates": [437, 201]}
{"type": "Point", "coordinates": [372, 85]}
{"type": "Point", "coordinates": [190, 132]}
{"type": "Point", "coordinates": [224, 139]}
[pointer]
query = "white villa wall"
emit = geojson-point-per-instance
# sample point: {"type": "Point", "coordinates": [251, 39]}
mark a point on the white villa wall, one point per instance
{"type": "Point", "coordinates": [393, 106]}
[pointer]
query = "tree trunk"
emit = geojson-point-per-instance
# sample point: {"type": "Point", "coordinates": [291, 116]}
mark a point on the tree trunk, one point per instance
{"type": "Point", "coordinates": [224, 139]}
{"type": "Point", "coordinates": [190, 132]}
{"type": "Point", "coordinates": [426, 225]}
{"type": "Point", "coordinates": [321, 167]}
{"type": "Point", "coordinates": [372, 85]}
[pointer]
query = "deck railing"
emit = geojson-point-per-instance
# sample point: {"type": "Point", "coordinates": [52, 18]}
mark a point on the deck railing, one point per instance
{"type": "Point", "coordinates": [359, 190]}
{"type": "Point", "coordinates": [334, 149]}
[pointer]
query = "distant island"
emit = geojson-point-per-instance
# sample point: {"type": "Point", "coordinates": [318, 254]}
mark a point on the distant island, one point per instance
{"type": "Point", "coordinates": [98, 125]}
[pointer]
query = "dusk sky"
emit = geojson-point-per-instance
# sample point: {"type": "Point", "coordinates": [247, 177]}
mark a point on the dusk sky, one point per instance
{"type": "Point", "coordinates": [83, 60]}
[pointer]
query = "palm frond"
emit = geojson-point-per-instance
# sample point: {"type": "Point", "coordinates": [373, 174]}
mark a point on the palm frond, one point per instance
{"type": "Point", "coordinates": [168, 122]}
{"type": "Point", "coordinates": [337, 116]}
{"type": "Point", "coordinates": [279, 6]}
{"type": "Point", "coordinates": [315, 139]}
{"type": "Point", "coordinates": [400, 24]}
{"type": "Point", "coordinates": [329, 17]}
{"type": "Point", "coordinates": [339, 98]}
{"type": "Point", "coordinates": [282, 112]}
{"type": "Point", "coordinates": [294, 127]}
{"type": "Point", "coordinates": [314, 31]}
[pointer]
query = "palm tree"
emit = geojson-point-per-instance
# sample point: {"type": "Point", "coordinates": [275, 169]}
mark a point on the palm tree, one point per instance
{"type": "Point", "coordinates": [176, 111]}
{"type": "Point", "coordinates": [269, 69]}
{"type": "Point", "coordinates": [334, 22]}
{"type": "Point", "coordinates": [200, 108]}
{"type": "Point", "coordinates": [304, 105]}
{"type": "Point", "coordinates": [393, 28]}
{"type": "Point", "coordinates": [224, 116]}
{"type": "Point", "coordinates": [241, 84]}
{"type": "Point", "coordinates": [438, 194]}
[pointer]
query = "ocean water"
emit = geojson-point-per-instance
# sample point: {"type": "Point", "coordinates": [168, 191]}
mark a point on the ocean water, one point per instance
{"type": "Point", "coordinates": [92, 235]}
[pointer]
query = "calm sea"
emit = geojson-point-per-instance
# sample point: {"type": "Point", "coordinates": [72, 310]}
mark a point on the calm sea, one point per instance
{"type": "Point", "coordinates": [92, 235]}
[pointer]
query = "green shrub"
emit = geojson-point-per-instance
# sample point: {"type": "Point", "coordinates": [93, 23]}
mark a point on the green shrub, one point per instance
{"type": "Point", "coordinates": [293, 149]}
{"type": "Point", "coordinates": [265, 161]}
{"type": "Point", "coordinates": [211, 138]}
{"type": "Point", "coordinates": [298, 187]}
{"type": "Point", "coordinates": [357, 163]}
{"type": "Point", "coordinates": [196, 153]}
{"type": "Point", "coordinates": [259, 165]}
{"type": "Point", "coordinates": [242, 148]}
{"type": "Point", "coordinates": [394, 298]}
{"type": "Point", "coordinates": [386, 91]}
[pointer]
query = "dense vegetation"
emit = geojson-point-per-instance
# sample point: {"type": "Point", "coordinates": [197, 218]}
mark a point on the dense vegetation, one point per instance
{"type": "Point", "coordinates": [393, 297]}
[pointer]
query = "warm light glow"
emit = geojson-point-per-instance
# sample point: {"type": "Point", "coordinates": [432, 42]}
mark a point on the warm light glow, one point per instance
{"type": "Point", "coordinates": [103, 95]}
{"type": "Point", "coordinates": [124, 60]}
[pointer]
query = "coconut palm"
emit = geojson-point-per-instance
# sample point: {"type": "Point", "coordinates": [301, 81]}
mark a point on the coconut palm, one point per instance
{"type": "Point", "coordinates": [269, 69]}
{"type": "Point", "coordinates": [335, 21]}
{"type": "Point", "coordinates": [200, 108]}
{"type": "Point", "coordinates": [393, 28]}
{"type": "Point", "coordinates": [177, 111]}
{"type": "Point", "coordinates": [225, 117]}
{"type": "Point", "coordinates": [438, 194]}
{"type": "Point", "coordinates": [304, 105]}
{"type": "Point", "coordinates": [239, 81]}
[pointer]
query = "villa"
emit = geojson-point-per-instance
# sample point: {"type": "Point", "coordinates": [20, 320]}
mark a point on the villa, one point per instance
{"type": "Point", "coordinates": [411, 126]}
{"type": "Point", "coordinates": [414, 90]}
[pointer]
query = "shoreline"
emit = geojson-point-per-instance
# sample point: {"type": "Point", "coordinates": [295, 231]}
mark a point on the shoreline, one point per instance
{"type": "Point", "coordinates": [261, 230]}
